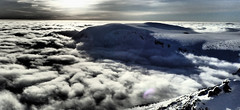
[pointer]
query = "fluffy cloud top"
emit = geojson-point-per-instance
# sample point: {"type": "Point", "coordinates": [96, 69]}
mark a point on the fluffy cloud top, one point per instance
{"type": "Point", "coordinates": [44, 70]}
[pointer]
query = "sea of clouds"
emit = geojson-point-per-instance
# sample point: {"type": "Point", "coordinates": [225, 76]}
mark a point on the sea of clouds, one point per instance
{"type": "Point", "coordinates": [42, 67]}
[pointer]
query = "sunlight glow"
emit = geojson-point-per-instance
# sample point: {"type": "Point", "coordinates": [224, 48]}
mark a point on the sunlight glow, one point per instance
{"type": "Point", "coordinates": [73, 4]}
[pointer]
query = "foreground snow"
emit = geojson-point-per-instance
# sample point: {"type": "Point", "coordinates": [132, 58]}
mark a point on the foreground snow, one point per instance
{"type": "Point", "coordinates": [212, 98]}
{"type": "Point", "coordinates": [66, 65]}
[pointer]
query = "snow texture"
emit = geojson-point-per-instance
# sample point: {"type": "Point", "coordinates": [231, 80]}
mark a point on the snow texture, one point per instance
{"type": "Point", "coordinates": [221, 97]}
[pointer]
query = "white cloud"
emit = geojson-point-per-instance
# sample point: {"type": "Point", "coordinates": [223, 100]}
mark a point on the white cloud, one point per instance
{"type": "Point", "coordinates": [9, 101]}
{"type": "Point", "coordinates": [34, 78]}
{"type": "Point", "coordinates": [213, 63]}
{"type": "Point", "coordinates": [77, 90]}
{"type": "Point", "coordinates": [62, 59]}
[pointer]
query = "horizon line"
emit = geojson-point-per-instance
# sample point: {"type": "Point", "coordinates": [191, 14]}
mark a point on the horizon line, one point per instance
{"type": "Point", "coordinates": [108, 20]}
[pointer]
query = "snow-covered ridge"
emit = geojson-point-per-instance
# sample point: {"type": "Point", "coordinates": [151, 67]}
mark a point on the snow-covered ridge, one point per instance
{"type": "Point", "coordinates": [160, 36]}
{"type": "Point", "coordinates": [221, 97]}
{"type": "Point", "coordinates": [112, 35]}
{"type": "Point", "coordinates": [132, 43]}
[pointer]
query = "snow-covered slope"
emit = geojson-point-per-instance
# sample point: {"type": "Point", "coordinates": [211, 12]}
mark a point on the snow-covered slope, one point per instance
{"type": "Point", "coordinates": [160, 36]}
{"type": "Point", "coordinates": [222, 97]}
{"type": "Point", "coordinates": [115, 35]}
{"type": "Point", "coordinates": [128, 43]}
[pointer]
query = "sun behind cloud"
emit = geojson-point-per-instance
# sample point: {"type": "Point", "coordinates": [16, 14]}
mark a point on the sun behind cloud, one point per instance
{"type": "Point", "coordinates": [73, 4]}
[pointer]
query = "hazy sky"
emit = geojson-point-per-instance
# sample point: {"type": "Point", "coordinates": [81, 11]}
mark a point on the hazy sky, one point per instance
{"type": "Point", "coordinates": [188, 10]}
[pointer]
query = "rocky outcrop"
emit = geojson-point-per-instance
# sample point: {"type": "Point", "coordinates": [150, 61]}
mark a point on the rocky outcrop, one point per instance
{"type": "Point", "coordinates": [237, 72]}
{"type": "Point", "coordinates": [194, 101]}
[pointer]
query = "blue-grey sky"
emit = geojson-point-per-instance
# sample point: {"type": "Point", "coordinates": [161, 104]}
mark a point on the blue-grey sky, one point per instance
{"type": "Point", "coordinates": [170, 10]}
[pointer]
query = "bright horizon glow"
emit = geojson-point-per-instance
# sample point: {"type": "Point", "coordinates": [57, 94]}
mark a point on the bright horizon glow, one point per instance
{"type": "Point", "coordinates": [73, 4]}
{"type": "Point", "coordinates": [163, 10]}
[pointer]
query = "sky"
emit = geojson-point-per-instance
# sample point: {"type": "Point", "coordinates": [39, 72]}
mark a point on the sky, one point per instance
{"type": "Point", "coordinates": [162, 10]}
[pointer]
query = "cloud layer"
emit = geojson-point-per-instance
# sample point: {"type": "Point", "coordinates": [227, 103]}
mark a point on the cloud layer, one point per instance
{"type": "Point", "coordinates": [44, 69]}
